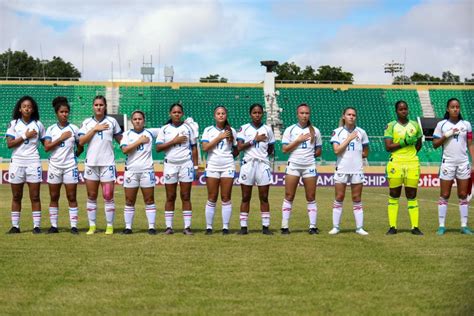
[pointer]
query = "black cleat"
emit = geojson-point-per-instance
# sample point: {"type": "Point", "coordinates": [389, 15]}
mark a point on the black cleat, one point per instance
{"type": "Point", "coordinates": [416, 231]}
{"type": "Point", "coordinates": [243, 231]}
{"type": "Point", "coordinates": [169, 231]}
{"type": "Point", "coordinates": [127, 231]}
{"type": "Point", "coordinates": [208, 231]}
{"type": "Point", "coordinates": [74, 231]}
{"type": "Point", "coordinates": [188, 231]}
{"type": "Point", "coordinates": [313, 231]}
{"type": "Point", "coordinates": [52, 230]}
{"type": "Point", "coordinates": [392, 231]}
{"type": "Point", "coordinates": [225, 231]}
{"type": "Point", "coordinates": [14, 230]}
{"type": "Point", "coordinates": [36, 230]}
{"type": "Point", "coordinates": [152, 231]}
{"type": "Point", "coordinates": [266, 230]}
{"type": "Point", "coordinates": [285, 231]}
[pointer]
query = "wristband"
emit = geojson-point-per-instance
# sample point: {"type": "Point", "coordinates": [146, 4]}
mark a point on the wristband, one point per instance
{"type": "Point", "coordinates": [196, 167]}
{"type": "Point", "coordinates": [24, 137]}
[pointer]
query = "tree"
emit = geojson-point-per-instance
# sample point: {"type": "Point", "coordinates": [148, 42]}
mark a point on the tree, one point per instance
{"type": "Point", "coordinates": [214, 79]}
{"type": "Point", "coordinates": [293, 72]}
{"type": "Point", "coordinates": [450, 77]}
{"type": "Point", "coordinates": [328, 73]}
{"type": "Point", "coordinates": [417, 77]}
{"type": "Point", "coordinates": [401, 80]}
{"type": "Point", "coordinates": [288, 71]}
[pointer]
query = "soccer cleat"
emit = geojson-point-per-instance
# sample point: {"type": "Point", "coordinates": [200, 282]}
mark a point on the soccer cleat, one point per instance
{"type": "Point", "coordinates": [441, 231]}
{"type": "Point", "coordinates": [225, 231]}
{"type": "Point", "coordinates": [466, 231]}
{"type": "Point", "coordinates": [91, 230]}
{"type": "Point", "coordinates": [266, 230]}
{"type": "Point", "coordinates": [334, 231]}
{"type": "Point", "coordinates": [187, 231]}
{"type": "Point", "coordinates": [127, 231]}
{"type": "Point", "coordinates": [36, 230]}
{"type": "Point", "coordinates": [313, 231]}
{"type": "Point", "coordinates": [52, 230]}
{"type": "Point", "coordinates": [361, 231]}
{"type": "Point", "coordinates": [416, 231]}
{"type": "Point", "coordinates": [391, 231]}
{"type": "Point", "coordinates": [169, 231]}
{"type": "Point", "coordinates": [208, 231]}
{"type": "Point", "coordinates": [74, 231]}
{"type": "Point", "coordinates": [152, 231]}
{"type": "Point", "coordinates": [243, 231]}
{"type": "Point", "coordinates": [14, 230]}
{"type": "Point", "coordinates": [109, 230]}
{"type": "Point", "coordinates": [285, 231]}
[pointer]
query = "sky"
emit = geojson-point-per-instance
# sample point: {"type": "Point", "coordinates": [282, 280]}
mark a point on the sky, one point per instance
{"type": "Point", "coordinates": [111, 38]}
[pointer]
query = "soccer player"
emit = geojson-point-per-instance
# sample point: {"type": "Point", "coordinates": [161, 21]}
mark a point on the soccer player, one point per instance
{"type": "Point", "coordinates": [351, 145]}
{"type": "Point", "coordinates": [220, 143]}
{"type": "Point", "coordinates": [178, 140]}
{"type": "Point", "coordinates": [403, 141]}
{"type": "Point", "coordinates": [455, 136]}
{"type": "Point", "coordinates": [23, 136]}
{"type": "Point", "coordinates": [99, 131]}
{"type": "Point", "coordinates": [257, 141]}
{"type": "Point", "coordinates": [62, 140]}
{"type": "Point", "coordinates": [139, 172]}
{"type": "Point", "coordinates": [303, 142]}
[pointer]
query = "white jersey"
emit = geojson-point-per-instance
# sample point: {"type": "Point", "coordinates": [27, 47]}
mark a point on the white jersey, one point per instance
{"type": "Point", "coordinates": [455, 147]}
{"type": "Point", "coordinates": [350, 160]}
{"type": "Point", "coordinates": [27, 152]}
{"type": "Point", "coordinates": [178, 152]}
{"type": "Point", "coordinates": [63, 156]}
{"type": "Point", "coordinates": [100, 151]}
{"type": "Point", "coordinates": [258, 150]}
{"type": "Point", "coordinates": [304, 153]}
{"type": "Point", "coordinates": [220, 157]}
{"type": "Point", "coordinates": [141, 158]}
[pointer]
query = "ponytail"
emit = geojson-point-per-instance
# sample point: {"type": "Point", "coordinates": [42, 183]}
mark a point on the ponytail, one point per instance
{"type": "Point", "coordinates": [227, 126]}
{"type": "Point", "coordinates": [310, 126]}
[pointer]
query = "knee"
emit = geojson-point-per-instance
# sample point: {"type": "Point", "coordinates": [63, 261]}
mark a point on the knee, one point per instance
{"type": "Point", "coordinates": [149, 201]}
{"type": "Point", "coordinates": [17, 197]}
{"type": "Point", "coordinates": [264, 199]}
{"type": "Point", "coordinates": [289, 197]}
{"type": "Point", "coordinates": [411, 195]}
{"type": "Point", "coordinates": [340, 196]}
{"type": "Point", "coordinates": [35, 198]}
{"type": "Point", "coordinates": [246, 199]}
{"type": "Point", "coordinates": [356, 198]}
{"type": "Point", "coordinates": [92, 196]}
{"type": "Point", "coordinates": [71, 197]}
{"type": "Point", "coordinates": [55, 197]}
{"type": "Point", "coordinates": [445, 196]}
{"type": "Point", "coordinates": [225, 198]}
{"type": "Point", "coordinates": [171, 197]}
{"type": "Point", "coordinates": [212, 198]}
{"type": "Point", "coordinates": [108, 192]}
{"type": "Point", "coordinates": [185, 196]}
{"type": "Point", "coordinates": [129, 202]}
{"type": "Point", "coordinates": [462, 195]}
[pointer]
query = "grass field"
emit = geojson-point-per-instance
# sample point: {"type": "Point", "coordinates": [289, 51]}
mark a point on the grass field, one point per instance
{"type": "Point", "coordinates": [237, 275]}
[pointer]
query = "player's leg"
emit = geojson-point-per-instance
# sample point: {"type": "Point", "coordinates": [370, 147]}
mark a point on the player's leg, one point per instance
{"type": "Point", "coordinates": [291, 184]}
{"type": "Point", "coordinates": [462, 186]}
{"type": "Point", "coordinates": [395, 177]}
{"type": "Point", "coordinates": [108, 194]}
{"type": "Point", "coordinates": [445, 192]}
{"type": "Point", "coordinates": [311, 205]}
{"type": "Point", "coordinates": [17, 196]}
{"type": "Point", "coordinates": [411, 188]}
{"type": "Point", "coordinates": [185, 194]}
{"type": "Point", "coordinates": [245, 207]}
{"type": "Point", "coordinates": [212, 184]}
{"type": "Point", "coordinates": [129, 209]}
{"type": "Point", "coordinates": [170, 189]}
{"type": "Point", "coordinates": [150, 208]}
{"type": "Point", "coordinates": [226, 198]}
{"type": "Point", "coordinates": [357, 207]}
{"type": "Point", "coordinates": [92, 178]}
{"type": "Point", "coordinates": [340, 184]}
{"type": "Point", "coordinates": [71, 194]}
{"type": "Point", "coordinates": [54, 195]}
{"type": "Point", "coordinates": [264, 208]}
{"type": "Point", "coordinates": [34, 191]}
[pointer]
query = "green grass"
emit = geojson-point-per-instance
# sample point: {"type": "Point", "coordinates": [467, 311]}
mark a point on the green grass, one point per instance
{"type": "Point", "coordinates": [238, 275]}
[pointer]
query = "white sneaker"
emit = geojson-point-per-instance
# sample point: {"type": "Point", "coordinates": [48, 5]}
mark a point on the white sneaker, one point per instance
{"type": "Point", "coordinates": [334, 231]}
{"type": "Point", "coordinates": [361, 231]}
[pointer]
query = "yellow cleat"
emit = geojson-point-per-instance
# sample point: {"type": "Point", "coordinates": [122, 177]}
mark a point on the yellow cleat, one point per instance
{"type": "Point", "coordinates": [109, 230]}
{"type": "Point", "coordinates": [91, 230]}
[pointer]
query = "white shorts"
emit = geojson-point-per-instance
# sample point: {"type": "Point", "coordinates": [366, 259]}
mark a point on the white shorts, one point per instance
{"type": "Point", "coordinates": [305, 171]}
{"type": "Point", "coordinates": [135, 179]}
{"type": "Point", "coordinates": [228, 173]}
{"type": "Point", "coordinates": [66, 176]}
{"type": "Point", "coordinates": [31, 173]}
{"type": "Point", "coordinates": [175, 173]}
{"type": "Point", "coordinates": [100, 173]}
{"type": "Point", "coordinates": [255, 172]}
{"type": "Point", "coordinates": [349, 178]}
{"type": "Point", "coordinates": [449, 171]}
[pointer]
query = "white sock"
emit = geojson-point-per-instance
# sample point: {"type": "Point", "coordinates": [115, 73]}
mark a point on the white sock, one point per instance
{"type": "Point", "coordinates": [312, 213]}
{"type": "Point", "coordinates": [210, 209]}
{"type": "Point", "coordinates": [128, 214]}
{"type": "Point", "coordinates": [73, 216]}
{"type": "Point", "coordinates": [91, 211]}
{"type": "Point", "coordinates": [169, 215]}
{"type": "Point", "coordinates": [463, 211]}
{"type": "Point", "coordinates": [358, 214]}
{"type": "Point", "coordinates": [15, 216]}
{"type": "Point", "coordinates": [286, 213]}
{"type": "Point", "coordinates": [53, 216]}
{"type": "Point", "coordinates": [442, 210]}
{"type": "Point", "coordinates": [110, 212]}
{"type": "Point", "coordinates": [243, 219]}
{"type": "Point", "coordinates": [226, 214]}
{"type": "Point", "coordinates": [36, 218]}
{"type": "Point", "coordinates": [336, 213]}
{"type": "Point", "coordinates": [150, 215]}
{"type": "Point", "coordinates": [265, 218]}
{"type": "Point", "coordinates": [187, 216]}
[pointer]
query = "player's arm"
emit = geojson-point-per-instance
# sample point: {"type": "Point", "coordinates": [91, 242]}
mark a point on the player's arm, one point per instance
{"type": "Point", "coordinates": [288, 148]}
{"type": "Point", "coordinates": [208, 145]}
{"type": "Point", "coordinates": [50, 144]}
{"type": "Point", "coordinates": [340, 148]}
{"type": "Point", "coordinates": [318, 150]}
{"type": "Point", "coordinates": [194, 155]}
{"type": "Point", "coordinates": [87, 137]}
{"type": "Point", "coordinates": [13, 142]}
{"type": "Point", "coordinates": [418, 144]}
{"type": "Point", "coordinates": [126, 149]}
{"type": "Point", "coordinates": [438, 141]}
{"type": "Point", "coordinates": [271, 149]}
{"type": "Point", "coordinates": [470, 145]}
{"type": "Point", "coordinates": [179, 139]}
{"type": "Point", "coordinates": [365, 150]}
{"type": "Point", "coordinates": [118, 137]}
{"type": "Point", "coordinates": [235, 151]}
{"type": "Point", "coordinates": [79, 149]}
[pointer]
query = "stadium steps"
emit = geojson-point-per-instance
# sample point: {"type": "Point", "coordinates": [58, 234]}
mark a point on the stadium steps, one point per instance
{"type": "Point", "coordinates": [426, 105]}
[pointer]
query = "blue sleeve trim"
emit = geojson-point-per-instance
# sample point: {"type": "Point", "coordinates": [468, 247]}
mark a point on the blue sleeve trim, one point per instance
{"type": "Point", "coordinates": [80, 134]}
{"type": "Point", "coordinates": [238, 138]}
{"type": "Point", "coordinates": [284, 143]}
{"type": "Point", "coordinates": [271, 143]}
{"type": "Point", "coordinates": [9, 135]}
{"type": "Point", "coordinates": [318, 146]}
{"type": "Point", "coordinates": [159, 143]}
{"type": "Point", "coordinates": [365, 145]}
{"type": "Point", "coordinates": [436, 136]}
{"type": "Point", "coordinates": [204, 141]}
{"type": "Point", "coordinates": [119, 133]}
{"type": "Point", "coordinates": [334, 141]}
{"type": "Point", "coordinates": [123, 145]}
{"type": "Point", "coordinates": [47, 137]}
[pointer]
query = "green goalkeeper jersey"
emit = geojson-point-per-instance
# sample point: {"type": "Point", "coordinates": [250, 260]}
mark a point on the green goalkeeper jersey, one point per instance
{"type": "Point", "coordinates": [398, 132]}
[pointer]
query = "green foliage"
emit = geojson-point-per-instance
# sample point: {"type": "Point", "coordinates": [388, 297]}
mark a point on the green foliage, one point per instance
{"type": "Point", "coordinates": [214, 79]}
{"type": "Point", "coordinates": [20, 64]}
{"type": "Point", "coordinates": [292, 72]}
{"type": "Point", "coordinates": [447, 76]}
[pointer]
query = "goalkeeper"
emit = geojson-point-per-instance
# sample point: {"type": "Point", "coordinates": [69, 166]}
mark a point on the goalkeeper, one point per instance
{"type": "Point", "coordinates": [403, 141]}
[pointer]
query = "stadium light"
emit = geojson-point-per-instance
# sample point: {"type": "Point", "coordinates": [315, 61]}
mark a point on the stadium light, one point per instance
{"type": "Point", "coordinates": [394, 68]}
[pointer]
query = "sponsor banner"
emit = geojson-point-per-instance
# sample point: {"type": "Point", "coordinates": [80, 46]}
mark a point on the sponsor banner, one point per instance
{"type": "Point", "coordinates": [324, 179]}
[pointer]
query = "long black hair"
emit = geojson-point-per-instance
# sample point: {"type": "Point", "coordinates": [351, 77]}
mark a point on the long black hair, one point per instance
{"type": "Point", "coordinates": [58, 102]}
{"type": "Point", "coordinates": [310, 126]}
{"type": "Point", "coordinates": [101, 97]}
{"type": "Point", "coordinates": [227, 126]}
{"type": "Point", "coordinates": [400, 102]}
{"type": "Point", "coordinates": [16, 111]}
{"type": "Point", "coordinates": [171, 108]}
{"type": "Point", "coordinates": [446, 114]}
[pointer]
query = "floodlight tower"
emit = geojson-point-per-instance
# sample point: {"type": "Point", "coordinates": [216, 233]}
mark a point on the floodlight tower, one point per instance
{"type": "Point", "coordinates": [394, 68]}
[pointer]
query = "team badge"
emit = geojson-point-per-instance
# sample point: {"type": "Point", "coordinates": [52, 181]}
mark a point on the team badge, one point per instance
{"type": "Point", "coordinates": [51, 176]}
{"type": "Point", "coordinates": [392, 171]}
{"type": "Point", "coordinates": [89, 171]}
{"type": "Point", "coordinates": [445, 172]}
{"type": "Point", "coordinates": [244, 177]}
{"type": "Point", "coordinates": [333, 133]}
{"type": "Point", "coordinates": [128, 180]}
{"type": "Point", "coordinates": [168, 177]}
{"type": "Point", "coordinates": [12, 176]}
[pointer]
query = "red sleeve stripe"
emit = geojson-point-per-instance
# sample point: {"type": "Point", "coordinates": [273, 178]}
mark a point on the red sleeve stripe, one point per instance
{"type": "Point", "coordinates": [469, 136]}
